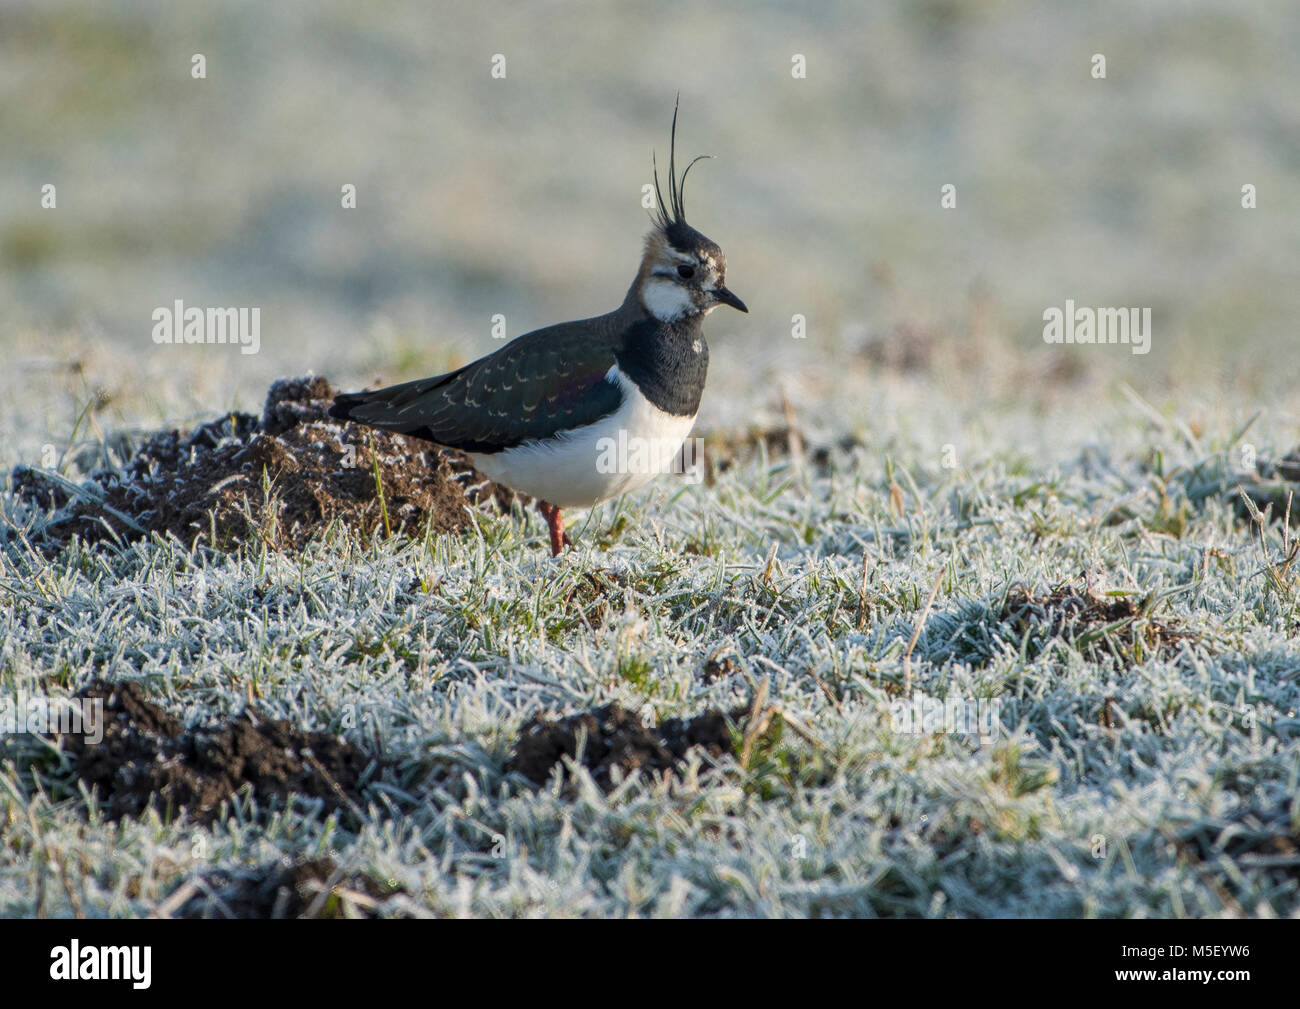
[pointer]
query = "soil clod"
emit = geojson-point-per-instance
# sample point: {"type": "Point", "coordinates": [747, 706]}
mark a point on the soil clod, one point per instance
{"type": "Point", "coordinates": [612, 737]}
{"type": "Point", "coordinates": [1114, 625]}
{"type": "Point", "coordinates": [147, 756]}
{"type": "Point", "coordinates": [279, 479]}
{"type": "Point", "coordinates": [310, 888]}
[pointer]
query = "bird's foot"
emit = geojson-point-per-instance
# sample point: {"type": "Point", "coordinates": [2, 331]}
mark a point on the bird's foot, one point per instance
{"type": "Point", "coordinates": [555, 523]}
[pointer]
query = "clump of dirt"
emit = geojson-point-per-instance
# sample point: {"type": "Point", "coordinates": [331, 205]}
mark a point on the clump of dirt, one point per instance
{"type": "Point", "coordinates": [147, 755]}
{"type": "Point", "coordinates": [1115, 625]}
{"type": "Point", "coordinates": [279, 478]}
{"type": "Point", "coordinates": [613, 737]}
{"type": "Point", "coordinates": [310, 888]}
{"type": "Point", "coordinates": [720, 664]}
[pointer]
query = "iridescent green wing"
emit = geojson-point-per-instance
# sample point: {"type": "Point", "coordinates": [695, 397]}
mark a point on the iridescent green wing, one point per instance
{"type": "Point", "coordinates": [543, 383]}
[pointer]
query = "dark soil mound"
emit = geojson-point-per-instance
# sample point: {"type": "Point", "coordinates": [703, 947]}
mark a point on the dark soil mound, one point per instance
{"type": "Point", "coordinates": [146, 755]}
{"type": "Point", "coordinates": [312, 888]}
{"type": "Point", "coordinates": [1115, 625]}
{"type": "Point", "coordinates": [616, 738]}
{"type": "Point", "coordinates": [279, 478]}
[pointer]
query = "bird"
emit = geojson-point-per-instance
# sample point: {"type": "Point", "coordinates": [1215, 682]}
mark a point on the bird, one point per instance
{"type": "Point", "coordinates": [543, 415]}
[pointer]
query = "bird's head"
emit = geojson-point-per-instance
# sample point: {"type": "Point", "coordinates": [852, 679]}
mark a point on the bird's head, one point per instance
{"type": "Point", "coordinates": [683, 273]}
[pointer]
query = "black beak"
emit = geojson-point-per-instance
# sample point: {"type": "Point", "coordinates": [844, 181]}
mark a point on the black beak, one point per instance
{"type": "Point", "coordinates": [721, 294]}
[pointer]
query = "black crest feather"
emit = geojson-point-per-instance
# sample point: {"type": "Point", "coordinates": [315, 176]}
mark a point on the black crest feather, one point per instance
{"type": "Point", "coordinates": [671, 216]}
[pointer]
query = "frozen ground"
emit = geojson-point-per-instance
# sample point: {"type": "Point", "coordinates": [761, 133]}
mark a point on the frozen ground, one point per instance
{"type": "Point", "coordinates": [1146, 755]}
{"type": "Point", "coordinates": [1144, 764]}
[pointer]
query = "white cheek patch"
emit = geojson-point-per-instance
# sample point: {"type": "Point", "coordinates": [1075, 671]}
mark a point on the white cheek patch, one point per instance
{"type": "Point", "coordinates": [665, 300]}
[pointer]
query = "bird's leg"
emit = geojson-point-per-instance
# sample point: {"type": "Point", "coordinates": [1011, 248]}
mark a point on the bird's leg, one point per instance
{"type": "Point", "coordinates": [555, 523]}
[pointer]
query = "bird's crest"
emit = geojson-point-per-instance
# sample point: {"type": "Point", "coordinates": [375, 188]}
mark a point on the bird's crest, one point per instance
{"type": "Point", "coordinates": [670, 217]}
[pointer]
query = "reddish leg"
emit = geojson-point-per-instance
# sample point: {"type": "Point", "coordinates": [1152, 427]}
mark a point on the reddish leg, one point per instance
{"type": "Point", "coordinates": [555, 522]}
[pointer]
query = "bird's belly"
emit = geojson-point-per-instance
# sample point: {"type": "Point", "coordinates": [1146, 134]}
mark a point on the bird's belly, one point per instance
{"type": "Point", "coordinates": [582, 467]}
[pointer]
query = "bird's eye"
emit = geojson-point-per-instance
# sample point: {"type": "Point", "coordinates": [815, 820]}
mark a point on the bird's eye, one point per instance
{"type": "Point", "coordinates": [685, 272]}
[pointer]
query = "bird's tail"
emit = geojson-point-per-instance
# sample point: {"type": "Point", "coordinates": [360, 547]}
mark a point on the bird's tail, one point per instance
{"type": "Point", "coordinates": [403, 409]}
{"type": "Point", "coordinates": [346, 402]}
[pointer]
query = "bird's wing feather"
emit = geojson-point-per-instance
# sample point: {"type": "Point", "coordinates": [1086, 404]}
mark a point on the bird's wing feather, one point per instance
{"type": "Point", "coordinates": [544, 382]}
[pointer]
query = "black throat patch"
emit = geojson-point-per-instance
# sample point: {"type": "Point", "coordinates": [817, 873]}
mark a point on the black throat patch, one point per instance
{"type": "Point", "coordinates": [668, 361]}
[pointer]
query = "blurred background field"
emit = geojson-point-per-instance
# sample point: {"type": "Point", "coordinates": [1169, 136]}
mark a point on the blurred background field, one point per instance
{"type": "Point", "coordinates": [521, 196]}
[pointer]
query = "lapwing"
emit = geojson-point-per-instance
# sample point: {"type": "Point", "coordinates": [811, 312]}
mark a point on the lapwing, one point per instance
{"type": "Point", "coordinates": [541, 414]}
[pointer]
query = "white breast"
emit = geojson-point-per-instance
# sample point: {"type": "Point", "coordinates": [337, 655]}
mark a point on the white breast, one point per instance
{"type": "Point", "coordinates": [587, 465]}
